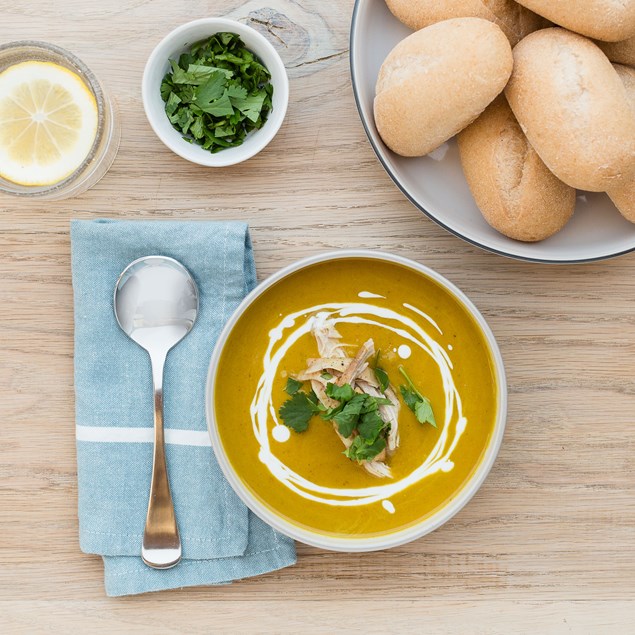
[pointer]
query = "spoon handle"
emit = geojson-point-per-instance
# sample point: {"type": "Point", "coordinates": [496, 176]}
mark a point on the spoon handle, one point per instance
{"type": "Point", "coordinates": [161, 542]}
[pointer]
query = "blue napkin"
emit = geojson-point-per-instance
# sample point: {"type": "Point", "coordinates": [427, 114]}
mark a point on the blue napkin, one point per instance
{"type": "Point", "coordinates": [222, 541]}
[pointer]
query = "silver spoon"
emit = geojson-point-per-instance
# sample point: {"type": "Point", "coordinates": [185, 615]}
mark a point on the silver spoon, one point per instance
{"type": "Point", "coordinates": [156, 303]}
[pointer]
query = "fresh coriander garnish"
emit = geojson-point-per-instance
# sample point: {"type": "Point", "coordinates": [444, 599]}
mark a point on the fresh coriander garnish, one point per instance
{"type": "Point", "coordinates": [380, 374]}
{"type": "Point", "coordinates": [340, 393]}
{"type": "Point", "coordinates": [297, 411]}
{"type": "Point", "coordinates": [326, 375]}
{"type": "Point", "coordinates": [356, 413]}
{"type": "Point", "coordinates": [347, 418]}
{"type": "Point", "coordinates": [371, 425]}
{"type": "Point", "coordinates": [419, 404]}
{"type": "Point", "coordinates": [293, 385]}
{"type": "Point", "coordinates": [361, 450]}
{"type": "Point", "coordinates": [217, 92]}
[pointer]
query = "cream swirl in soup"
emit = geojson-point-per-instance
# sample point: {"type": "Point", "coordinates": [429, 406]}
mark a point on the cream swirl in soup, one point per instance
{"type": "Point", "coordinates": [405, 328]}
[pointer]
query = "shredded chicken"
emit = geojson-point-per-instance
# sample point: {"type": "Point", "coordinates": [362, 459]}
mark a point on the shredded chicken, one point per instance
{"type": "Point", "coordinates": [320, 391]}
{"type": "Point", "coordinates": [356, 372]}
{"type": "Point", "coordinates": [358, 364]}
{"type": "Point", "coordinates": [327, 336]}
{"type": "Point", "coordinates": [315, 368]}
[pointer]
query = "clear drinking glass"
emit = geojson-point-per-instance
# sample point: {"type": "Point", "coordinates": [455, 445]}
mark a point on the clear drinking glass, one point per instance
{"type": "Point", "coordinates": [106, 144]}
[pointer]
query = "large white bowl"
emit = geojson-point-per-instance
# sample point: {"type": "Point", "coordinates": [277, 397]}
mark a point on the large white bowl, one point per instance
{"type": "Point", "coordinates": [177, 42]}
{"type": "Point", "coordinates": [438, 187]}
{"type": "Point", "coordinates": [317, 539]}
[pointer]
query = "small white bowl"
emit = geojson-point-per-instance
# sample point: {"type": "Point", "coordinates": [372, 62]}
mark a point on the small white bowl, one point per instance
{"type": "Point", "coordinates": [177, 42]}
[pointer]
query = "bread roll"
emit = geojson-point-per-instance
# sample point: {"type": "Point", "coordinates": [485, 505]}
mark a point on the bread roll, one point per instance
{"type": "Point", "coordinates": [514, 20]}
{"type": "Point", "coordinates": [573, 108]}
{"type": "Point", "coordinates": [424, 95]}
{"type": "Point", "coordinates": [609, 20]}
{"type": "Point", "coordinates": [627, 75]}
{"type": "Point", "coordinates": [513, 188]}
{"type": "Point", "coordinates": [621, 52]}
{"type": "Point", "coordinates": [623, 198]}
{"type": "Point", "coordinates": [623, 194]}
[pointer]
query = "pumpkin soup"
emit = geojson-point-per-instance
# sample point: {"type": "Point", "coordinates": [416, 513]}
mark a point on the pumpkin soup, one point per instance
{"type": "Point", "coordinates": [355, 397]}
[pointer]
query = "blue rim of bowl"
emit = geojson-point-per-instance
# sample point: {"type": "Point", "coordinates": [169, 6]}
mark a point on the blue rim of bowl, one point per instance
{"type": "Point", "coordinates": [417, 204]}
{"type": "Point", "coordinates": [403, 536]}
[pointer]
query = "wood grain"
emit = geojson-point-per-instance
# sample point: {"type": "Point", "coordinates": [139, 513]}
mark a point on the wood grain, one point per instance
{"type": "Point", "coordinates": [547, 545]}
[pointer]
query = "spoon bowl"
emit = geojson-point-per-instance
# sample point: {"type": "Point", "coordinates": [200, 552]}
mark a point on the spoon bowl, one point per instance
{"type": "Point", "coordinates": [156, 301]}
{"type": "Point", "coordinates": [156, 304]}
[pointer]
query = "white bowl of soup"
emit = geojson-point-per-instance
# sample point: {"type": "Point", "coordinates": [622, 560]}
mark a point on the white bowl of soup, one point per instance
{"type": "Point", "coordinates": [356, 400]}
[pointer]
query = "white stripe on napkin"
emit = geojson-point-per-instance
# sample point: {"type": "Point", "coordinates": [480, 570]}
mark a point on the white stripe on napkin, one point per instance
{"type": "Point", "coordinates": [100, 434]}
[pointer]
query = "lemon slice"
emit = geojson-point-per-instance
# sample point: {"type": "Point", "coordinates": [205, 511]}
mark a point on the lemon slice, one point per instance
{"type": "Point", "coordinates": [48, 123]}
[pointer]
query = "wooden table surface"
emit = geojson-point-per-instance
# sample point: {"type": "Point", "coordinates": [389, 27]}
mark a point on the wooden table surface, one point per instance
{"type": "Point", "coordinates": [548, 543]}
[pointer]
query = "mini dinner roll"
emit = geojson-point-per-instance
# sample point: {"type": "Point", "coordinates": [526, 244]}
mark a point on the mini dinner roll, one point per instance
{"type": "Point", "coordinates": [623, 194]}
{"type": "Point", "coordinates": [627, 75]}
{"type": "Point", "coordinates": [623, 198]}
{"type": "Point", "coordinates": [609, 20]}
{"type": "Point", "coordinates": [515, 191]}
{"type": "Point", "coordinates": [621, 52]}
{"type": "Point", "coordinates": [514, 20]}
{"type": "Point", "coordinates": [572, 105]}
{"type": "Point", "coordinates": [437, 81]}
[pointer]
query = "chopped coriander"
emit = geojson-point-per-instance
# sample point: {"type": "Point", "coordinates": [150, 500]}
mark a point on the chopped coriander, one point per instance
{"type": "Point", "coordinates": [340, 393]}
{"type": "Point", "coordinates": [382, 377]}
{"type": "Point", "coordinates": [347, 418]}
{"type": "Point", "coordinates": [329, 413]}
{"type": "Point", "coordinates": [409, 396]}
{"type": "Point", "coordinates": [293, 385]}
{"type": "Point", "coordinates": [312, 397]}
{"type": "Point", "coordinates": [326, 375]}
{"type": "Point", "coordinates": [380, 374]}
{"type": "Point", "coordinates": [360, 450]}
{"type": "Point", "coordinates": [297, 411]}
{"type": "Point", "coordinates": [356, 411]}
{"type": "Point", "coordinates": [216, 93]}
{"type": "Point", "coordinates": [371, 426]}
{"type": "Point", "coordinates": [424, 413]}
{"type": "Point", "coordinates": [372, 403]}
{"type": "Point", "coordinates": [419, 404]}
